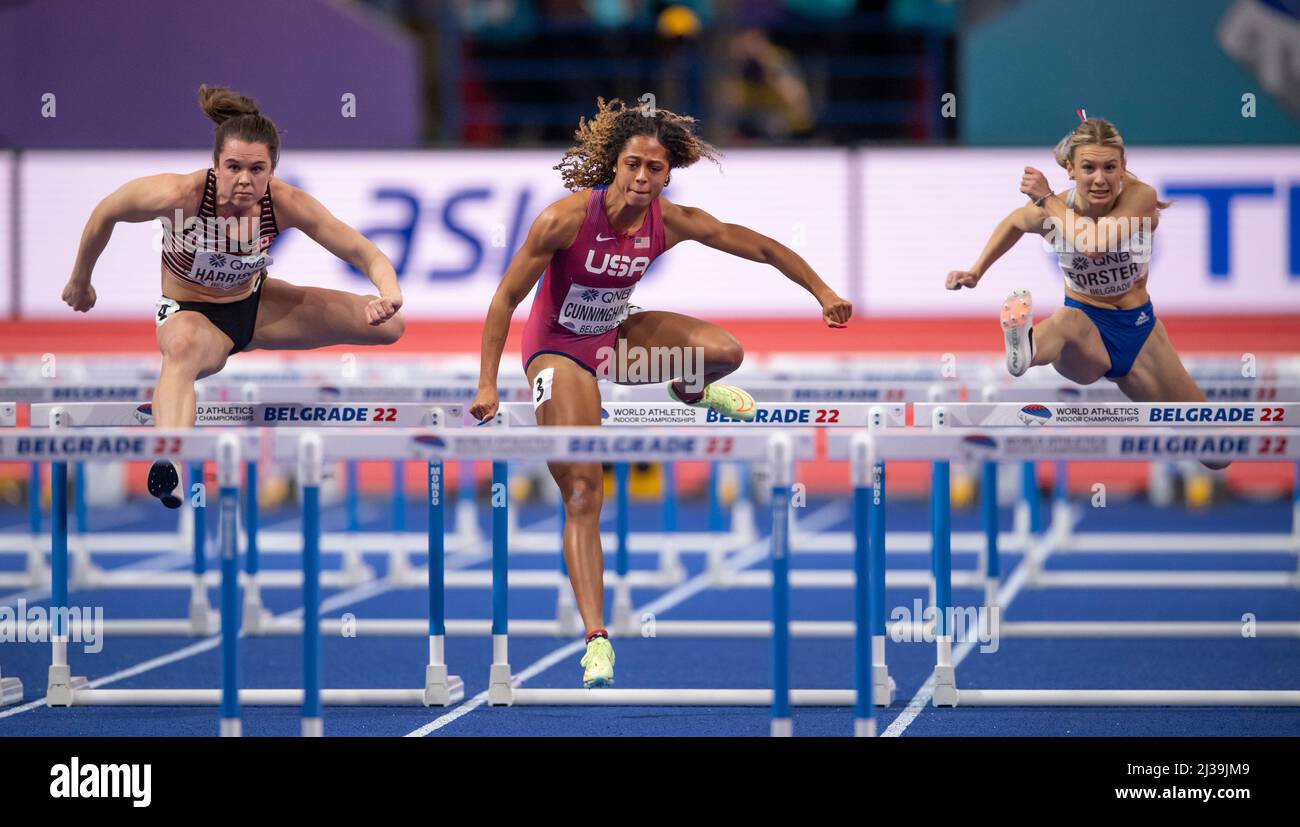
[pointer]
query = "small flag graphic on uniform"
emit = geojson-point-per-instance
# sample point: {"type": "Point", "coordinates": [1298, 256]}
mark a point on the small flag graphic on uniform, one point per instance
{"type": "Point", "coordinates": [640, 241]}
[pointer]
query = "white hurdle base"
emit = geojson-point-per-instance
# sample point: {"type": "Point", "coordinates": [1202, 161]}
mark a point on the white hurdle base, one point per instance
{"type": "Point", "coordinates": [841, 579]}
{"type": "Point", "coordinates": [1126, 697]}
{"type": "Point", "coordinates": [1147, 629]}
{"type": "Point", "coordinates": [1164, 580]}
{"type": "Point", "coordinates": [678, 697]}
{"type": "Point", "coordinates": [11, 691]}
{"type": "Point", "coordinates": [903, 542]}
{"type": "Point", "coordinates": [128, 627]}
{"type": "Point", "coordinates": [258, 697]}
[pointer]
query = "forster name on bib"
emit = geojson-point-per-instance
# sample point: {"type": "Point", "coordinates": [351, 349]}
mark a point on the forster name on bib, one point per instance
{"type": "Point", "coordinates": [226, 271]}
{"type": "Point", "coordinates": [590, 310]}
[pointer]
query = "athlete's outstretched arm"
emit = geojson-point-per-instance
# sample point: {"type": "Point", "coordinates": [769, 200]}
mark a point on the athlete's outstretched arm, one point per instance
{"type": "Point", "coordinates": [554, 229]}
{"type": "Point", "coordinates": [1138, 200]}
{"type": "Point", "coordinates": [142, 199]}
{"type": "Point", "coordinates": [295, 208]}
{"type": "Point", "coordinates": [1027, 219]}
{"type": "Point", "coordinates": [688, 223]}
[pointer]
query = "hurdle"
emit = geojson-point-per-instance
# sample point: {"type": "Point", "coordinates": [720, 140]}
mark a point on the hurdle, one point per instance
{"type": "Point", "coordinates": [118, 414]}
{"type": "Point", "coordinates": [780, 449]}
{"type": "Point", "coordinates": [943, 444]}
{"type": "Point", "coordinates": [1139, 415]}
{"type": "Point", "coordinates": [1161, 474]}
{"type": "Point", "coordinates": [440, 688]}
{"type": "Point", "coordinates": [63, 688]}
{"type": "Point", "coordinates": [668, 414]}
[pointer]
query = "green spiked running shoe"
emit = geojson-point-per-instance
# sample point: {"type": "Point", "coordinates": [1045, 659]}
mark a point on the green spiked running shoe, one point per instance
{"type": "Point", "coordinates": [724, 400]}
{"type": "Point", "coordinates": [598, 663]}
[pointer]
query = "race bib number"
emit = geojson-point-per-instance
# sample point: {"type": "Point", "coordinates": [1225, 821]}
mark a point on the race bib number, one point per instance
{"type": "Point", "coordinates": [166, 308]}
{"type": "Point", "coordinates": [542, 386]}
{"type": "Point", "coordinates": [590, 310]}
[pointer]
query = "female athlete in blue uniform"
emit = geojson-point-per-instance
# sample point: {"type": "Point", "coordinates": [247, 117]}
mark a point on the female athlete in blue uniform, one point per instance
{"type": "Point", "coordinates": [1107, 326]}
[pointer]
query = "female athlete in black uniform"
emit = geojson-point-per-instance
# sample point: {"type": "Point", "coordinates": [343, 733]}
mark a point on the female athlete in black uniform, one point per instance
{"type": "Point", "coordinates": [216, 296]}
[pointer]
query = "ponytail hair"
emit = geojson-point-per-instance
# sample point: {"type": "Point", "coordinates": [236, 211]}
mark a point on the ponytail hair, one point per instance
{"type": "Point", "coordinates": [237, 117]}
{"type": "Point", "coordinates": [1095, 132]}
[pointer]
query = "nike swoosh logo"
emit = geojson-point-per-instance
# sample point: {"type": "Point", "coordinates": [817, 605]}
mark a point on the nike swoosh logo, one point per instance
{"type": "Point", "coordinates": [602, 238]}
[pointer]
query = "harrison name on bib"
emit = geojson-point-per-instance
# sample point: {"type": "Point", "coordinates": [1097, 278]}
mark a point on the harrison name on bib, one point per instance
{"type": "Point", "coordinates": [591, 310]}
{"type": "Point", "coordinates": [226, 271]}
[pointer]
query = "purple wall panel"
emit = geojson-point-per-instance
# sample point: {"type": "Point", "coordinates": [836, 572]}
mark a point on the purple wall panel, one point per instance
{"type": "Point", "coordinates": [126, 72]}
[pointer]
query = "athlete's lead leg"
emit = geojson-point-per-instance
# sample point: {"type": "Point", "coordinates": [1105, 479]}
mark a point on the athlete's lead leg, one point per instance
{"type": "Point", "coordinates": [192, 348]}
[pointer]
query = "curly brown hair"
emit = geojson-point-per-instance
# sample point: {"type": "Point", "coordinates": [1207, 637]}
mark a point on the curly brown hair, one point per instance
{"type": "Point", "coordinates": [591, 161]}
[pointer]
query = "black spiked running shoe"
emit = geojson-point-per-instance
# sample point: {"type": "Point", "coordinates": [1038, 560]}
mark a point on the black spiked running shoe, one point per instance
{"type": "Point", "coordinates": [163, 482]}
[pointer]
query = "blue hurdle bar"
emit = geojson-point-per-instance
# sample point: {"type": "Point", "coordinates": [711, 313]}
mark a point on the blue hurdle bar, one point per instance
{"type": "Point", "coordinates": [622, 471]}
{"type": "Point", "coordinates": [941, 543]}
{"type": "Point", "coordinates": [876, 562]}
{"type": "Point", "coordinates": [863, 616]}
{"type": "Point", "coordinates": [58, 548]}
{"type": "Point", "coordinates": [200, 526]}
{"type": "Point", "coordinates": [437, 553]}
{"type": "Point", "coordinates": [252, 518]}
{"type": "Point", "coordinates": [500, 548]}
{"type": "Point", "coordinates": [780, 467]}
{"type": "Point", "coordinates": [989, 518]}
{"type": "Point", "coordinates": [311, 678]}
{"type": "Point", "coordinates": [229, 606]}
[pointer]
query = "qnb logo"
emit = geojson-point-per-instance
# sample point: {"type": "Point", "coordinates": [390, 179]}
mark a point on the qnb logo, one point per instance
{"type": "Point", "coordinates": [590, 295]}
{"type": "Point", "coordinates": [1080, 263]}
{"type": "Point", "coordinates": [616, 265]}
{"type": "Point", "coordinates": [77, 780]}
{"type": "Point", "coordinates": [217, 261]}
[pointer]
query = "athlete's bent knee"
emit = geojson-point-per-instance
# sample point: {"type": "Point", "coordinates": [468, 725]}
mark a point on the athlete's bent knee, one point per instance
{"type": "Point", "coordinates": [181, 351]}
{"type": "Point", "coordinates": [726, 355]}
{"type": "Point", "coordinates": [584, 497]}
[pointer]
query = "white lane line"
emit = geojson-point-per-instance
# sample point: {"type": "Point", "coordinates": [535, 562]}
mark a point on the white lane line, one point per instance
{"type": "Point", "coordinates": [826, 515]}
{"type": "Point", "coordinates": [1006, 594]}
{"type": "Point", "coordinates": [167, 561]}
{"type": "Point", "coordinates": [131, 671]}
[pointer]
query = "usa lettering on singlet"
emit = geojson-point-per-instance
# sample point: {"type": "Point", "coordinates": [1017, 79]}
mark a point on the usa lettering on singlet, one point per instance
{"type": "Point", "coordinates": [586, 290]}
{"type": "Point", "coordinates": [588, 309]}
{"type": "Point", "coordinates": [208, 252]}
{"type": "Point", "coordinates": [1113, 274]}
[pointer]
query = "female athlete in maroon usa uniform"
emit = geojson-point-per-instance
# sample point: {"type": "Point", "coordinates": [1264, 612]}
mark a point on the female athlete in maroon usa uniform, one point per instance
{"type": "Point", "coordinates": [216, 297]}
{"type": "Point", "coordinates": [594, 246]}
